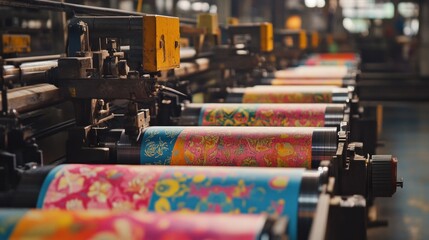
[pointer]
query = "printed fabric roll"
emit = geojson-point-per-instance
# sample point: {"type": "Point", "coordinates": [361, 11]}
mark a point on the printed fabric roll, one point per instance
{"type": "Point", "coordinates": [313, 72]}
{"type": "Point", "coordinates": [285, 115]}
{"type": "Point", "coordinates": [227, 146]}
{"type": "Point", "coordinates": [288, 94]}
{"type": "Point", "coordinates": [105, 224]}
{"type": "Point", "coordinates": [171, 189]}
{"type": "Point", "coordinates": [332, 82]}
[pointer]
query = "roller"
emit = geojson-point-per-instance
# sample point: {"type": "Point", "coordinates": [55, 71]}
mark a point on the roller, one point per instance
{"type": "Point", "coordinates": [313, 72]}
{"type": "Point", "coordinates": [350, 60]}
{"type": "Point", "coordinates": [34, 97]}
{"type": "Point", "coordinates": [41, 66]}
{"type": "Point", "coordinates": [103, 224]}
{"type": "Point", "coordinates": [286, 192]}
{"type": "Point", "coordinates": [285, 115]}
{"type": "Point", "coordinates": [231, 146]}
{"type": "Point", "coordinates": [321, 82]}
{"type": "Point", "coordinates": [289, 94]}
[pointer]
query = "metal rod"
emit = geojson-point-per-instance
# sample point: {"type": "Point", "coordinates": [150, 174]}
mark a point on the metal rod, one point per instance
{"type": "Point", "coordinates": [76, 8]}
{"type": "Point", "coordinates": [4, 103]}
{"type": "Point", "coordinates": [32, 59]}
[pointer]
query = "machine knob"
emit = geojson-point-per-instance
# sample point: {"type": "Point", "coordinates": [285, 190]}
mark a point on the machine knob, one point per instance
{"type": "Point", "coordinates": [383, 178]}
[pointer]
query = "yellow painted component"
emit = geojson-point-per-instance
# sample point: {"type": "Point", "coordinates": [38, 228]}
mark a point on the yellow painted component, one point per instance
{"type": "Point", "coordinates": [161, 38]}
{"type": "Point", "coordinates": [302, 39]}
{"type": "Point", "coordinates": [233, 21]}
{"type": "Point", "coordinates": [379, 119]}
{"type": "Point", "coordinates": [293, 22]}
{"type": "Point", "coordinates": [208, 22]}
{"type": "Point", "coordinates": [267, 41]}
{"type": "Point", "coordinates": [16, 43]}
{"type": "Point", "coordinates": [315, 39]}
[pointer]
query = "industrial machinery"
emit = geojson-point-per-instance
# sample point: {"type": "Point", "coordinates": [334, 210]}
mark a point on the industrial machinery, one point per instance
{"type": "Point", "coordinates": [92, 78]}
{"type": "Point", "coordinates": [303, 164]}
{"type": "Point", "coordinates": [292, 193]}
{"type": "Point", "coordinates": [243, 58]}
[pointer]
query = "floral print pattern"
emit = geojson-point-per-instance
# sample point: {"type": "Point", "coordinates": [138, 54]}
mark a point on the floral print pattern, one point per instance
{"type": "Point", "coordinates": [103, 224]}
{"type": "Point", "coordinates": [288, 94]}
{"type": "Point", "coordinates": [285, 115]}
{"type": "Point", "coordinates": [184, 189]}
{"type": "Point", "coordinates": [231, 146]}
{"type": "Point", "coordinates": [112, 188]}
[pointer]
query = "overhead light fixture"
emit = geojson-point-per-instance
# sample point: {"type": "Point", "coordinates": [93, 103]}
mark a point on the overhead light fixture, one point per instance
{"type": "Point", "coordinates": [315, 3]}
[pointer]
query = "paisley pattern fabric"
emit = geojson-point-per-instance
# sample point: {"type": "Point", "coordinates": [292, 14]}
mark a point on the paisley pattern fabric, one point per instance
{"type": "Point", "coordinates": [332, 82]}
{"type": "Point", "coordinates": [228, 146]}
{"type": "Point", "coordinates": [167, 189]}
{"type": "Point", "coordinates": [104, 224]}
{"type": "Point", "coordinates": [285, 115]}
{"type": "Point", "coordinates": [288, 94]}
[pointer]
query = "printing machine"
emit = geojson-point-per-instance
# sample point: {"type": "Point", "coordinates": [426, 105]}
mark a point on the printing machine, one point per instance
{"type": "Point", "coordinates": [111, 76]}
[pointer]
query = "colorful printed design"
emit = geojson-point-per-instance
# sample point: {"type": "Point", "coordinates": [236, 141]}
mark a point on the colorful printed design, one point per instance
{"type": "Point", "coordinates": [103, 224]}
{"type": "Point", "coordinates": [321, 62]}
{"type": "Point", "coordinates": [166, 189]}
{"type": "Point", "coordinates": [8, 220]}
{"type": "Point", "coordinates": [232, 146]}
{"type": "Point", "coordinates": [76, 187]}
{"type": "Point", "coordinates": [288, 94]}
{"type": "Point", "coordinates": [157, 145]}
{"type": "Point", "coordinates": [285, 115]}
{"type": "Point", "coordinates": [333, 82]}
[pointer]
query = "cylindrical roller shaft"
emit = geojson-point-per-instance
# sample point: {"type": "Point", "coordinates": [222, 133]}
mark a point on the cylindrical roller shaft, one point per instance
{"type": "Point", "coordinates": [248, 114]}
{"type": "Point", "coordinates": [170, 189]}
{"type": "Point", "coordinates": [235, 146]}
{"type": "Point", "coordinates": [289, 94]}
{"type": "Point", "coordinates": [30, 67]}
{"type": "Point", "coordinates": [32, 97]}
{"type": "Point", "coordinates": [103, 224]}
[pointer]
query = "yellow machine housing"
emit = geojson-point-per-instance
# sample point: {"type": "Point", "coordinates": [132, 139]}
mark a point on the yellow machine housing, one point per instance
{"type": "Point", "coordinates": [315, 39]}
{"type": "Point", "coordinates": [209, 22]}
{"type": "Point", "coordinates": [15, 43]}
{"type": "Point", "coordinates": [267, 41]}
{"type": "Point", "coordinates": [161, 48]}
{"type": "Point", "coordinates": [302, 40]}
{"type": "Point", "coordinates": [233, 21]}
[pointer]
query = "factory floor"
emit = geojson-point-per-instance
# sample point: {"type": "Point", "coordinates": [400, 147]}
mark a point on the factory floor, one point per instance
{"type": "Point", "coordinates": [406, 134]}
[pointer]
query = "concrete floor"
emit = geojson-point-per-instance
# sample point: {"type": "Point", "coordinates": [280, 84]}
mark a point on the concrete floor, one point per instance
{"type": "Point", "coordinates": [406, 135]}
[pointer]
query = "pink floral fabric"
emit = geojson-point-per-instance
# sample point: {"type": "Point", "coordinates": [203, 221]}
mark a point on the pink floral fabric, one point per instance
{"type": "Point", "coordinates": [90, 224]}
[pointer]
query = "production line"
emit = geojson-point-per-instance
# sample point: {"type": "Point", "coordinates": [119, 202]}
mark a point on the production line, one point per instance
{"type": "Point", "coordinates": [299, 152]}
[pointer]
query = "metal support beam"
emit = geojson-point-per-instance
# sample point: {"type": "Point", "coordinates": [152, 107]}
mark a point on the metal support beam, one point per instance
{"type": "Point", "coordinates": [424, 39]}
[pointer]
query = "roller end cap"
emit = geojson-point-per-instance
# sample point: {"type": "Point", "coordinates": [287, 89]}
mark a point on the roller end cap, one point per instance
{"type": "Point", "coordinates": [384, 176]}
